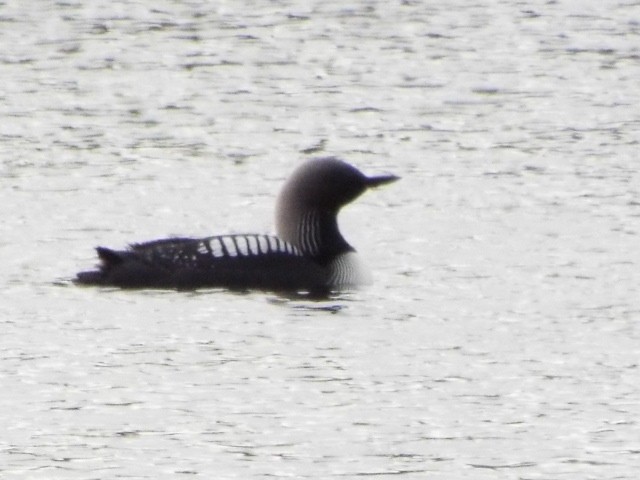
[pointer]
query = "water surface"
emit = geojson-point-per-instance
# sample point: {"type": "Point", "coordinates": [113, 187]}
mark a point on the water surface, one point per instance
{"type": "Point", "coordinates": [500, 338]}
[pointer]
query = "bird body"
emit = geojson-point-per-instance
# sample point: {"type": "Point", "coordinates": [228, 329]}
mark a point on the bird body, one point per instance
{"type": "Point", "coordinates": [308, 253]}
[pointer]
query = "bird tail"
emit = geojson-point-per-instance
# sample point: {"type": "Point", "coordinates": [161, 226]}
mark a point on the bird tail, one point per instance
{"type": "Point", "coordinates": [108, 260]}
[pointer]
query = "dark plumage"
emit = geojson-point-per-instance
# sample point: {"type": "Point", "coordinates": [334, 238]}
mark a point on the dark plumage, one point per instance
{"type": "Point", "coordinates": [309, 252]}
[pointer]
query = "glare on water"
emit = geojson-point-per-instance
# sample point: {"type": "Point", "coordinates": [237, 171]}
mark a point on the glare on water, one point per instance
{"type": "Point", "coordinates": [500, 335]}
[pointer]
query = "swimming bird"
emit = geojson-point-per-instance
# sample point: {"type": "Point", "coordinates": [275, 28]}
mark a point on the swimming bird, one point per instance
{"type": "Point", "coordinates": [308, 253]}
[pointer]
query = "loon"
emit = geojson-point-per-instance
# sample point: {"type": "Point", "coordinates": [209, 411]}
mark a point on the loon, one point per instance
{"type": "Point", "coordinates": [308, 254]}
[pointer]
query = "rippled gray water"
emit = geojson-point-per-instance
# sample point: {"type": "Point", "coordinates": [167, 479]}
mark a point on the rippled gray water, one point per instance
{"type": "Point", "coordinates": [501, 337]}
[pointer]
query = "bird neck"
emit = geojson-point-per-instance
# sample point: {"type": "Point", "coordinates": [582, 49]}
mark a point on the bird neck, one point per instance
{"type": "Point", "coordinates": [315, 233]}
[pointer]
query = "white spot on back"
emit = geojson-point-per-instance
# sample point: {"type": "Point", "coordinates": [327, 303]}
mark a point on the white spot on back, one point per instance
{"type": "Point", "coordinates": [232, 251]}
{"type": "Point", "coordinates": [202, 249]}
{"type": "Point", "coordinates": [273, 244]}
{"type": "Point", "coordinates": [252, 243]}
{"type": "Point", "coordinates": [216, 247]}
{"type": "Point", "coordinates": [263, 244]}
{"type": "Point", "coordinates": [243, 244]}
